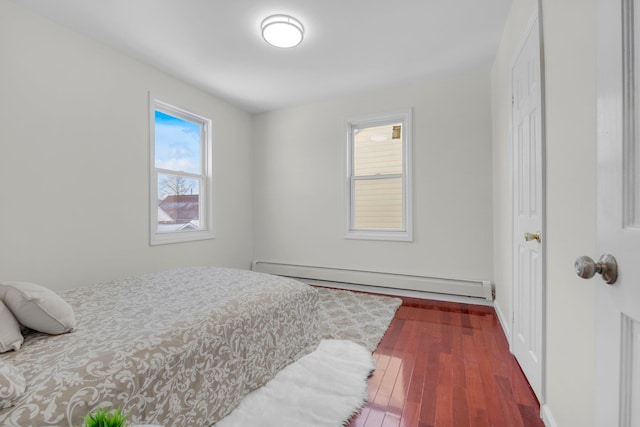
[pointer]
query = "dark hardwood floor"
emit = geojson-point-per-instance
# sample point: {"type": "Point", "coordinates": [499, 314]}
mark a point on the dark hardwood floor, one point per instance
{"type": "Point", "coordinates": [446, 364]}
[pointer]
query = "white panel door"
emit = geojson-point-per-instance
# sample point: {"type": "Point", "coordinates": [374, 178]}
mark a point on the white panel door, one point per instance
{"type": "Point", "coordinates": [618, 213]}
{"type": "Point", "coordinates": [527, 337]}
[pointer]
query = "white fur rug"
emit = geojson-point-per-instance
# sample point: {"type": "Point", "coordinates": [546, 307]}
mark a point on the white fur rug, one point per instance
{"type": "Point", "coordinates": [322, 389]}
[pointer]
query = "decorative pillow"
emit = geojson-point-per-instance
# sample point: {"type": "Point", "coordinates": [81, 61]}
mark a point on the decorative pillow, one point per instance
{"type": "Point", "coordinates": [37, 307]}
{"type": "Point", "coordinates": [10, 335]}
{"type": "Point", "coordinates": [12, 385]}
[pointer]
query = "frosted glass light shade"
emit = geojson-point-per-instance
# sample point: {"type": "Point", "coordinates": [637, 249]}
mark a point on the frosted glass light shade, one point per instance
{"type": "Point", "coordinates": [282, 31]}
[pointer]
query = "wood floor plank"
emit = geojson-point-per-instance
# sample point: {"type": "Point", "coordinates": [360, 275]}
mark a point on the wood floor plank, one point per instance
{"type": "Point", "coordinates": [430, 401]}
{"type": "Point", "coordinates": [446, 364]}
{"type": "Point", "coordinates": [477, 407]}
{"type": "Point", "coordinates": [444, 391]}
{"type": "Point", "coordinates": [391, 420]}
{"type": "Point", "coordinates": [460, 409]}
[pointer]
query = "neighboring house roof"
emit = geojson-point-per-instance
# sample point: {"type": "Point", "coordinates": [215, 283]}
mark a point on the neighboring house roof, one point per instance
{"type": "Point", "coordinates": [182, 208]}
{"type": "Point", "coordinates": [163, 216]}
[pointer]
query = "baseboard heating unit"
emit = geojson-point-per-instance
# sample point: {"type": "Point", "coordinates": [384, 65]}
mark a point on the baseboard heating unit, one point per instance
{"type": "Point", "coordinates": [462, 287]}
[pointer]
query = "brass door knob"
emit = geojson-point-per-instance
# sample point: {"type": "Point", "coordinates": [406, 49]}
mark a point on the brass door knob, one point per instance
{"type": "Point", "coordinates": [607, 266]}
{"type": "Point", "coordinates": [532, 236]}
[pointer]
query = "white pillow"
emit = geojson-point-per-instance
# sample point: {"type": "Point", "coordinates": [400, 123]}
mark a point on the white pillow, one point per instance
{"type": "Point", "coordinates": [10, 335]}
{"type": "Point", "coordinates": [12, 385]}
{"type": "Point", "coordinates": [37, 307]}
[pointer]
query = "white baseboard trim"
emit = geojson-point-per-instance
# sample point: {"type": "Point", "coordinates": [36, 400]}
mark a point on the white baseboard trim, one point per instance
{"type": "Point", "coordinates": [547, 418]}
{"type": "Point", "coordinates": [506, 327]}
{"type": "Point", "coordinates": [397, 292]}
{"type": "Point", "coordinates": [481, 289]}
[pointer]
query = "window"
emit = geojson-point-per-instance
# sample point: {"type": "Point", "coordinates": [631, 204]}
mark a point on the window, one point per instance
{"type": "Point", "coordinates": [379, 177]}
{"type": "Point", "coordinates": [180, 175]}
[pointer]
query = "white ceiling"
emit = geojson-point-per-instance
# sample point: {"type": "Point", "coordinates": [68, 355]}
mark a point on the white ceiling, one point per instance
{"type": "Point", "coordinates": [350, 46]}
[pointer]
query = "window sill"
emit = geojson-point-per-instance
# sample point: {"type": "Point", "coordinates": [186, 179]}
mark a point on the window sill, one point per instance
{"type": "Point", "coordinates": [398, 236]}
{"type": "Point", "coordinates": [180, 237]}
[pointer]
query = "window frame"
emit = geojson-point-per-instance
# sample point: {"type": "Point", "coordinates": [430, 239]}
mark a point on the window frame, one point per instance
{"type": "Point", "coordinates": [404, 117]}
{"type": "Point", "coordinates": [206, 228]}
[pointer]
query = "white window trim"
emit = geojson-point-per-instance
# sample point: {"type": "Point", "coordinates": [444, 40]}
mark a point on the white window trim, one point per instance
{"type": "Point", "coordinates": [380, 119]}
{"type": "Point", "coordinates": [206, 204]}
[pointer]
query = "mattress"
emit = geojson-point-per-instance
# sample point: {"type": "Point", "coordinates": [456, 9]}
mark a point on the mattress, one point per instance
{"type": "Point", "coordinates": [177, 348]}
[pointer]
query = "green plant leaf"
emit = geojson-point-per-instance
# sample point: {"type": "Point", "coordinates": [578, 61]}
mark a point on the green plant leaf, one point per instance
{"type": "Point", "coordinates": [101, 418]}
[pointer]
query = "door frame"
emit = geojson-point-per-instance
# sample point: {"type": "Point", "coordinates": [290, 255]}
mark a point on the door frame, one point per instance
{"type": "Point", "coordinates": [534, 21]}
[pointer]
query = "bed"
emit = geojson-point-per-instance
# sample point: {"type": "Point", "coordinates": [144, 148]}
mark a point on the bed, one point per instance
{"type": "Point", "coordinates": [177, 348]}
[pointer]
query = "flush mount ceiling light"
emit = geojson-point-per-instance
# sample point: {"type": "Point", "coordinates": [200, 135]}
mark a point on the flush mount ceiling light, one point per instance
{"type": "Point", "coordinates": [282, 31]}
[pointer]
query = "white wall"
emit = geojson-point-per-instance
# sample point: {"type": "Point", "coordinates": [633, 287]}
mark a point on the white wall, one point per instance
{"type": "Point", "coordinates": [74, 161]}
{"type": "Point", "coordinates": [299, 158]}
{"type": "Point", "coordinates": [569, 42]}
{"type": "Point", "coordinates": [569, 31]}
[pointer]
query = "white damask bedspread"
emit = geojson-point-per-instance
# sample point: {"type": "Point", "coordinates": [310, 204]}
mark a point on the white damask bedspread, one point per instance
{"type": "Point", "coordinates": [179, 348]}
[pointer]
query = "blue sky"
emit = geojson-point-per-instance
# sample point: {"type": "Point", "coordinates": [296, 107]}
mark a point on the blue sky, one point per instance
{"type": "Point", "coordinates": [177, 144]}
